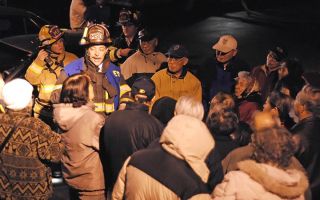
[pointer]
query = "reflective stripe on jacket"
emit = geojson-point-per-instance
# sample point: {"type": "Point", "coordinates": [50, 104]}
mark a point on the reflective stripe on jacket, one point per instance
{"type": "Point", "coordinates": [39, 75]}
{"type": "Point", "coordinates": [115, 88]}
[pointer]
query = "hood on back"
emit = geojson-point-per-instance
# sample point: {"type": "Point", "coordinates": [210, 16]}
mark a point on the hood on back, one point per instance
{"type": "Point", "coordinates": [289, 183]}
{"type": "Point", "coordinates": [189, 139]}
{"type": "Point", "coordinates": [66, 116]}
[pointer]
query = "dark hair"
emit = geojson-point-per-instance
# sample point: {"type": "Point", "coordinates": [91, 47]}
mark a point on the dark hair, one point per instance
{"type": "Point", "coordinates": [295, 69]}
{"type": "Point", "coordinates": [222, 122]}
{"type": "Point", "coordinates": [273, 145]}
{"type": "Point", "coordinates": [283, 103]}
{"type": "Point", "coordinates": [163, 109]}
{"type": "Point", "coordinates": [75, 90]}
{"type": "Point", "coordinates": [293, 81]}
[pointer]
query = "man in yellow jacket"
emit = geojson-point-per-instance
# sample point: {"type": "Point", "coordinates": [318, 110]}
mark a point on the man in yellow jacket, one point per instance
{"type": "Point", "coordinates": [45, 69]}
{"type": "Point", "coordinates": [176, 81]}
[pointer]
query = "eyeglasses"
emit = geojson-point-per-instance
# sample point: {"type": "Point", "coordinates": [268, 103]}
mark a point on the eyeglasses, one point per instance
{"type": "Point", "coordinates": [220, 53]}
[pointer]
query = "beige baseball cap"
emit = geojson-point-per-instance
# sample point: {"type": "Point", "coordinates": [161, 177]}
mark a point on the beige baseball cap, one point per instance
{"type": "Point", "coordinates": [225, 44]}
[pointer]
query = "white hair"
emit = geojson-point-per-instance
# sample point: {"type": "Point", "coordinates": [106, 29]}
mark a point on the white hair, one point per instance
{"type": "Point", "coordinates": [187, 105]}
{"type": "Point", "coordinates": [17, 94]}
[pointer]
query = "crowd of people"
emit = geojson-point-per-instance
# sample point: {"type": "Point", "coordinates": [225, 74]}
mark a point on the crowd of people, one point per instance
{"type": "Point", "coordinates": [128, 122]}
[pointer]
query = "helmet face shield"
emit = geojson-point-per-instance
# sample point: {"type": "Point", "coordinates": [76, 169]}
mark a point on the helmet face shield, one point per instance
{"type": "Point", "coordinates": [49, 34]}
{"type": "Point", "coordinates": [96, 34]}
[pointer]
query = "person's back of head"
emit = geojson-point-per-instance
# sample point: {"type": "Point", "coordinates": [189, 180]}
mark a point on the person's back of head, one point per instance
{"type": "Point", "coordinates": [189, 139]}
{"type": "Point", "coordinates": [187, 105]}
{"type": "Point", "coordinates": [143, 90]}
{"type": "Point", "coordinates": [264, 120]}
{"type": "Point", "coordinates": [282, 104]}
{"type": "Point", "coordinates": [222, 123]}
{"type": "Point", "coordinates": [17, 94]}
{"type": "Point", "coordinates": [273, 146]}
{"type": "Point", "coordinates": [221, 101]}
{"type": "Point", "coordinates": [163, 109]}
{"type": "Point", "coordinates": [76, 90]}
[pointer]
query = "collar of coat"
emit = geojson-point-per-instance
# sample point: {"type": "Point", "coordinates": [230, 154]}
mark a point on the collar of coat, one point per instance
{"type": "Point", "coordinates": [183, 74]}
{"type": "Point", "coordinates": [136, 106]}
{"type": "Point", "coordinates": [258, 173]}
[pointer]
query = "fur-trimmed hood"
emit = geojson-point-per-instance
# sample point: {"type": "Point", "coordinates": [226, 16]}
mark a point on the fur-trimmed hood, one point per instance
{"type": "Point", "coordinates": [288, 184]}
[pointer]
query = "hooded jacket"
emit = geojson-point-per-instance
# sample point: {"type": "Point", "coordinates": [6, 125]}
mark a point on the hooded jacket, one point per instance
{"type": "Point", "coordinates": [81, 165]}
{"type": "Point", "coordinates": [184, 146]}
{"type": "Point", "coordinates": [262, 181]}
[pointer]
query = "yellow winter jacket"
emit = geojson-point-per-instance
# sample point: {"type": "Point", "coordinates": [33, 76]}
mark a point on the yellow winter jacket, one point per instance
{"type": "Point", "coordinates": [169, 85]}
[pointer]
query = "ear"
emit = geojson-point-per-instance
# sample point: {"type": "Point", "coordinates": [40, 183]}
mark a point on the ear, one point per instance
{"type": "Point", "coordinates": [304, 108]}
{"type": "Point", "coordinates": [235, 51]}
{"type": "Point", "coordinates": [156, 42]}
{"type": "Point", "coordinates": [275, 112]}
{"type": "Point", "coordinates": [185, 61]}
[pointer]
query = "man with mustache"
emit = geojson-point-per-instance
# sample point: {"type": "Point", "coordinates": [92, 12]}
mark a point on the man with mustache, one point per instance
{"type": "Point", "coordinates": [108, 84]}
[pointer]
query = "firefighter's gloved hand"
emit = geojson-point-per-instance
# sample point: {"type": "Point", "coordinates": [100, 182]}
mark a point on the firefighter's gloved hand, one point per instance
{"type": "Point", "coordinates": [42, 55]}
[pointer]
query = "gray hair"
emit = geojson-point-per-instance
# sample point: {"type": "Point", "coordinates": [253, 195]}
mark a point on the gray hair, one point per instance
{"type": "Point", "coordinates": [310, 98]}
{"type": "Point", "coordinates": [187, 105]}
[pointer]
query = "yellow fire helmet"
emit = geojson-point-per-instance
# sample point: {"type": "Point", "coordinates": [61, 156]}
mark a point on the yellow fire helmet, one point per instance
{"type": "Point", "coordinates": [49, 34]}
{"type": "Point", "coordinates": [95, 34]}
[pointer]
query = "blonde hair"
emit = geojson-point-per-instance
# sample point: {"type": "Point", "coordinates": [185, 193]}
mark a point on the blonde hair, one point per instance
{"type": "Point", "coordinates": [187, 105]}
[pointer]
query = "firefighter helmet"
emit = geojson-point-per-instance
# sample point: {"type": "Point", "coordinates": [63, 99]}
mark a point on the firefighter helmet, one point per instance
{"type": "Point", "coordinates": [128, 17]}
{"type": "Point", "coordinates": [49, 34]}
{"type": "Point", "coordinates": [95, 34]}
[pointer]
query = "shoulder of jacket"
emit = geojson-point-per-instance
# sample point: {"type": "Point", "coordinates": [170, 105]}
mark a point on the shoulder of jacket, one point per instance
{"type": "Point", "coordinates": [75, 65]}
{"type": "Point", "coordinates": [71, 55]}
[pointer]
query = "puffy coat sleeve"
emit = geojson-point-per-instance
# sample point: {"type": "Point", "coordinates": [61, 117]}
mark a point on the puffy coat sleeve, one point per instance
{"type": "Point", "coordinates": [50, 146]}
{"type": "Point", "coordinates": [114, 53]}
{"type": "Point", "coordinates": [124, 90]}
{"type": "Point", "coordinates": [96, 125]}
{"type": "Point", "coordinates": [227, 189]}
{"type": "Point", "coordinates": [55, 95]}
{"type": "Point", "coordinates": [201, 197]}
{"type": "Point", "coordinates": [119, 188]}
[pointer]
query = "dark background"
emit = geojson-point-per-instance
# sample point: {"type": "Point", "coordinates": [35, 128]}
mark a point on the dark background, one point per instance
{"type": "Point", "coordinates": [294, 24]}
